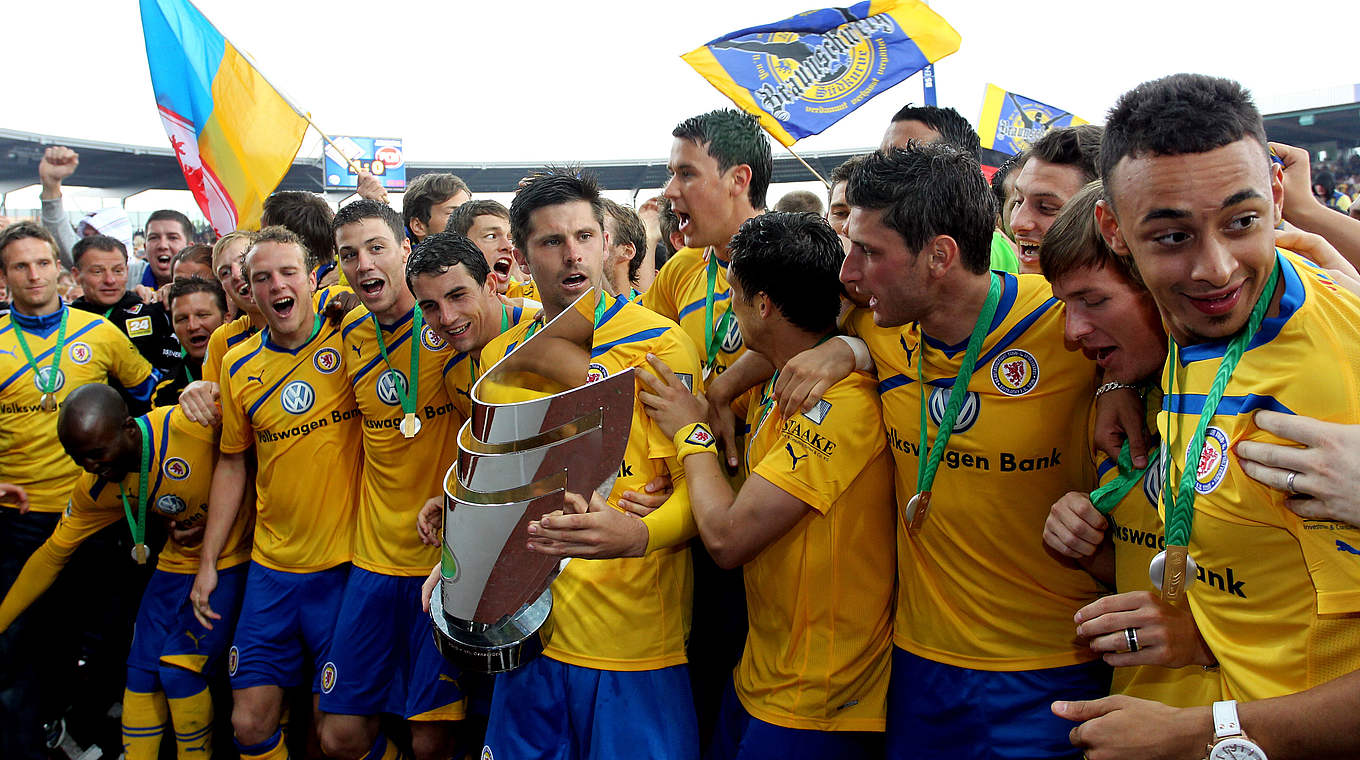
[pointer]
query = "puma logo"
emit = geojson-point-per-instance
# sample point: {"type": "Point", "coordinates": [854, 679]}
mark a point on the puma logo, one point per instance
{"type": "Point", "coordinates": [796, 459]}
{"type": "Point", "coordinates": [198, 640]}
{"type": "Point", "coordinates": [255, 378]}
{"type": "Point", "coordinates": [909, 350]}
{"type": "Point", "coordinates": [357, 352]}
{"type": "Point", "coordinates": [1342, 546]}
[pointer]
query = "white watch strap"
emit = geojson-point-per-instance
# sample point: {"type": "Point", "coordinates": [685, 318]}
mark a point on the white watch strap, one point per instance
{"type": "Point", "coordinates": [1225, 719]}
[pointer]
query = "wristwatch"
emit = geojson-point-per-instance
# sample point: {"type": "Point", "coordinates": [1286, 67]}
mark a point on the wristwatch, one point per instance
{"type": "Point", "coordinates": [1230, 743]}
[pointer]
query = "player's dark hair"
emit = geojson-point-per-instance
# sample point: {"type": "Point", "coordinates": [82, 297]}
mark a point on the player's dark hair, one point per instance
{"type": "Point", "coordinates": [800, 201]}
{"type": "Point", "coordinates": [26, 229]}
{"type": "Point", "coordinates": [307, 215]}
{"type": "Point", "coordinates": [552, 186]}
{"type": "Point", "coordinates": [1077, 146]}
{"type": "Point", "coordinates": [365, 208]}
{"type": "Point", "coordinates": [1003, 171]}
{"type": "Point", "coordinates": [733, 138]}
{"type": "Point", "coordinates": [1074, 241]}
{"type": "Point", "coordinates": [275, 234]}
{"type": "Point", "coordinates": [953, 128]}
{"type": "Point", "coordinates": [428, 190]}
{"type": "Point", "coordinates": [462, 218]}
{"type": "Point", "coordinates": [186, 285]}
{"type": "Point", "coordinates": [1178, 115]}
{"type": "Point", "coordinates": [171, 215]}
{"type": "Point", "coordinates": [670, 224]}
{"type": "Point", "coordinates": [98, 243]}
{"type": "Point", "coordinates": [629, 229]}
{"type": "Point", "coordinates": [842, 173]}
{"type": "Point", "coordinates": [442, 251]}
{"type": "Point", "coordinates": [795, 259]}
{"type": "Point", "coordinates": [198, 253]}
{"type": "Point", "coordinates": [926, 191]}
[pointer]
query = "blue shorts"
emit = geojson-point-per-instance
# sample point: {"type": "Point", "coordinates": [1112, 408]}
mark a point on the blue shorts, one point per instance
{"type": "Point", "coordinates": [285, 618]}
{"type": "Point", "coordinates": [384, 659]}
{"type": "Point", "coordinates": [167, 631]}
{"type": "Point", "coordinates": [548, 709]}
{"type": "Point", "coordinates": [942, 711]}
{"type": "Point", "coordinates": [739, 736]}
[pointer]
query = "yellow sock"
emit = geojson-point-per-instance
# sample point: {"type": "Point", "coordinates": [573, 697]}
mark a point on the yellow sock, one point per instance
{"type": "Point", "coordinates": [272, 748]}
{"type": "Point", "coordinates": [192, 717]}
{"type": "Point", "coordinates": [143, 724]}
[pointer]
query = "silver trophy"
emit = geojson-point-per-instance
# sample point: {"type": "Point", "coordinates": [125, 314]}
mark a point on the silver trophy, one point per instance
{"type": "Point", "coordinates": [516, 460]}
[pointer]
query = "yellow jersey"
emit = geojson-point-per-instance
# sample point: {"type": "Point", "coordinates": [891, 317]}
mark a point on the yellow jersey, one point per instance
{"type": "Point", "coordinates": [295, 407]}
{"type": "Point", "coordinates": [1136, 529]}
{"type": "Point", "coordinates": [399, 474]}
{"type": "Point", "coordinates": [522, 289]}
{"type": "Point", "coordinates": [94, 352]}
{"type": "Point", "coordinates": [179, 480]}
{"type": "Point", "coordinates": [819, 599]}
{"type": "Point", "coordinates": [978, 564]}
{"type": "Point", "coordinates": [1278, 597]}
{"type": "Point", "coordinates": [225, 338]}
{"type": "Point", "coordinates": [630, 613]}
{"type": "Point", "coordinates": [462, 369]}
{"type": "Point", "coordinates": [679, 292]}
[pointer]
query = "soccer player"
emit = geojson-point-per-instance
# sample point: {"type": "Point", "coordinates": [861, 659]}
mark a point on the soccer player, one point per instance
{"type": "Point", "coordinates": [610, 681]}
{"type": "Point", "coordinates": [101, 271]}
{"type": "Point", "coordinates": [812, 523]}
{"type": "Point", "coordinates": [164, 463]}
{"type": "Point", "coordinates": [1058, 165]}
{"type": "Point", "coordinates": [384, 658]}
{"type": "Point", "coordinates": [627, 242]}
{"type": "Point", "coordinates": [284, 394]}
{"type": "Point", "coordinates": [46, 351]}
{"type": "Point", "coordinates": [197, 308]}
{"type": "Point", "coordinates": [487, 224]}
{"type": "Point", "coordinates": [167, 233]}
{"type": "Point", "coordinates": [1193, 198]}
{"type": "Point", "coordinates": [428, 201]}
{"type": "Point", "coordinates": [983, 632]}
{"type": "Point", "coordinates": [1114, 531]}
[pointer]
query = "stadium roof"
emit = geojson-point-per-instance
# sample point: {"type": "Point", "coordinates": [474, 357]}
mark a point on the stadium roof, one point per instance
{"type": "Point", "coordinates": [123, 170]}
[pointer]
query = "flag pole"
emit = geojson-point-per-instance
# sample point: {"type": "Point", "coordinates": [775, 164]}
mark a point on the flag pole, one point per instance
{"type": "Point", "coordinates": [327, 138]}
{"type": "Point", "coordinates": [809, 166]}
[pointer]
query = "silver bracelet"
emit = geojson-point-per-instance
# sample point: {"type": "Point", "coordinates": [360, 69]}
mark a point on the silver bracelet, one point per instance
{"type": "Point", "coordinates": [1107, 387]}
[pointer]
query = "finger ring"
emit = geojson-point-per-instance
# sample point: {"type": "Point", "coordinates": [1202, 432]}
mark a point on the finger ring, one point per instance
{"type": "Point", "coordinates": [1289, 482]}
{"type": "Point", "coordinates": [1131, 637]}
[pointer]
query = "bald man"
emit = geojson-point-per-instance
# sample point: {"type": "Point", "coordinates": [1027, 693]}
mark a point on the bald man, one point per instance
{"type": "Point", "coordinates": [158, 464]}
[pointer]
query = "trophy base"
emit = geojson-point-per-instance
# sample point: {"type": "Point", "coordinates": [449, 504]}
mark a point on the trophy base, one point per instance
{"type": "Point", "coordinates": [497, 649]}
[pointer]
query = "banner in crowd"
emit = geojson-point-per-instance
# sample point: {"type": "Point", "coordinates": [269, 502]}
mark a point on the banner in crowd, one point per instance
{"type": "Point", "coordinates": [380, 156]}
{"type": "Point", "coordinates": [1011, 122]}
{"type": "Point", "coordinates": [234, 135]}
{"type": "Point", "coordinates": [805, 73]}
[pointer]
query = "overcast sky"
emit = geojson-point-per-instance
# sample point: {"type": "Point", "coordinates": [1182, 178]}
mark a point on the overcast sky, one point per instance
{"type": "Point", "coordinates": [603, 79]}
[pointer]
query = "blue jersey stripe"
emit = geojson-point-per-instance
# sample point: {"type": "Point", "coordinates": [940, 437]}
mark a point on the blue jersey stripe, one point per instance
{"type": "Point", "coordinates": [894, 382]}
{"type": "Point", "coordinates": [240, 336]}
{"type": "Point", "coordinates": [448, 367]}
{"type": "Point", "coordinates": [400, 339]}
{"type": "Point", "coordinates": [634, 338]}
{"type": "Point", "coordinates": [39, 359]}
{"type": "Point", "coordinates": [1193, 403]}
{"type": "Point", "coordinates": [699, 304]}
{"type": "Point", "coordinates": [239, 362]}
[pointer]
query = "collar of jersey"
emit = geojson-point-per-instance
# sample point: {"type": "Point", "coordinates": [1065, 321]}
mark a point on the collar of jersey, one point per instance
{"type": "Point", "coordinates": [1009, 284]}
{"type": "Point", "coordinates": [42, 326]}
{"type": "Point", "coordinates": [272, 346]}
{"type": "Point", "coordinates": [1290, 301]}
{"type": "Point", "coordinates": [399, 323]}
{"type": "Point", "coordinates": [712, 251]}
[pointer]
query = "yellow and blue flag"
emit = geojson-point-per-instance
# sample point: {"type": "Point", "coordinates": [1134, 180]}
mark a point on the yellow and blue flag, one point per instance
{"type": "Point", "coordinates": [1011, 122]}
{"type": "Point", "coordinates": [803, 74]}
{"type": "Point", "coordinates": [234, 135]}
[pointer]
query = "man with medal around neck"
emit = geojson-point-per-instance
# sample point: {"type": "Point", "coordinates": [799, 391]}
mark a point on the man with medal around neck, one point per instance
{"type": "Point", "coordinates": [285, 395]}
{"type": "Point", "coordinates": [1193, 197]}
{"type": "Point", "coordinates": [983, 633]}
{"type": "Point", "coordinates": [383, 658]}
{"type": "Point", "coordinates": [68, 348]}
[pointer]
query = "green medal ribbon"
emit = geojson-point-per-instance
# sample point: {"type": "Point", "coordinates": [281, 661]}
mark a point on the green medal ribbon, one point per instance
{"type": "Point", "coordinates": [601, 306]}
{"type": "Point", "coordinates": [110, 311]}
{"type": "Point", "coordinates": [407, 396]}
{"type": "Point", "coordinates": [925, 476]}
{"type": "Point", "coordinates": [505, 319]}
{"type": "Point", "coordinates": [138, 524]}
{"type": "Point", "coordinates": [713, 335]}
{"type": "Point", "coordinates": [184, 356]}
{"type": "Point", "coordinates": [1180, 506]}
{"type": "Point", "coordinates": [1108, 496]}
{"type": "Point", "coordinates": [50, 386]}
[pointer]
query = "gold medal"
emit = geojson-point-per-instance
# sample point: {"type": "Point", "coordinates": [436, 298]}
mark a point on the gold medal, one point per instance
{"type": "Point", "coordinates": [48, 403]}
{"type": "Point", "coordinates": [918, 507]}
{"type": "Point", "coordinates": [410, 425]}
{"type": "Point", "coordinates": [140, 553]}
{"type": "Point", "coordinates": [1170, 570]}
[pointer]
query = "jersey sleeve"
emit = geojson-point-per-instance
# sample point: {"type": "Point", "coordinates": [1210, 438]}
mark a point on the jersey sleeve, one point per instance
{"type": "Point", "coordinates": [660, 297]}
{"type": "Point", "coordinates": [678, 353]}
{"type": "Point", "coordinates": [127, 366]}
{"type": "Point", "coordinates": [673, 522]}
{"type": "Point", "coordinates": [82, 520]}
{"type": "Point", "coordinates": [212, 357]}
{"type": "Point", "coordinates": [817, 455]}
{"type": "Point", "coordinates": [236, 433]}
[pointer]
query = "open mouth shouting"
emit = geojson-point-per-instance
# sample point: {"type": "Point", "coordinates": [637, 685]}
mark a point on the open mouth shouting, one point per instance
{"type": "Point", "coordinates": [283, 307]}
{"type": "Point", "coordinates": [372, 287]}
{"type": "Point", "coordinates": [576, 282]}
{"type": "Point", "coordinates": [502, 267]}
{"type": "Point", "coordinates": [1029, 252]}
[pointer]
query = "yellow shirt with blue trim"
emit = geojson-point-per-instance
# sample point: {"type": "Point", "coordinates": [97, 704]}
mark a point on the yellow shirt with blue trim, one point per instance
{"type": "Point", "coordinates": [179, 480]}
{"type": "Point", "coordinates": [678, 293]}
{"type": "Point", "coordinates": [225, 337]}
{"type": "Point", "coordinates": [94, 352]}
{"type": "Point", "coordinates": [522, 289]}
{"type": "Point", "coordinates": [462, 369]}
{"type": "Point", "coordinates": [1278, 597]}
{"type": "Point", "coordinates": [399, 474]}
{"type": "Point", "coordinates": [295, 407]}
{"type": "Point", "coordinates": [976, 588]}
{"type": "Point", "coordinates": [1136, 529]}
{"type": "Point", "coordinates": [819, 599]}
{"type": "Point", "coordinates": [630, 613]}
